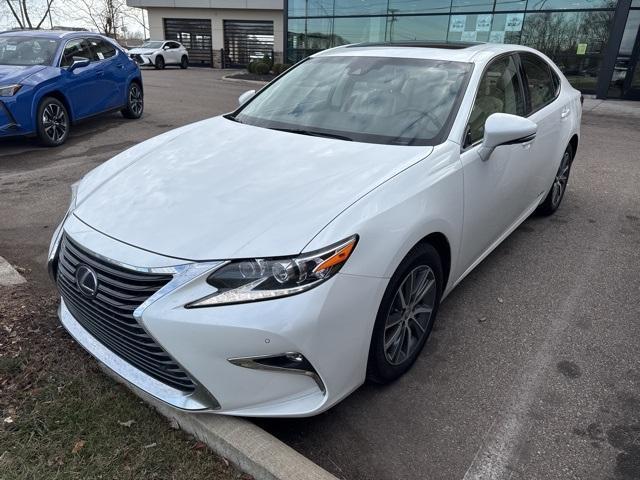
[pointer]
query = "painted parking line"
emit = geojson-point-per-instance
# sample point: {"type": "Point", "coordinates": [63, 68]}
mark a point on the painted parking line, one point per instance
{"type": "Point", "coordinates": [8, 275]}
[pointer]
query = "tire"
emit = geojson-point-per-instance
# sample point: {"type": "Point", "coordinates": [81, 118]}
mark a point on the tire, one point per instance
{"type": "Point", "coordinates": [135, 102]}
{"type": "Point", "coordinates": [52, 122]}
{"type": "Point", "coordinates": [558, 188]}
{"type": "Point", "coordinates": [159, 63]}
{"type": "Point", "coordinates": [184, 62]}
{"type": "Point", "coordinates": [383, 367]}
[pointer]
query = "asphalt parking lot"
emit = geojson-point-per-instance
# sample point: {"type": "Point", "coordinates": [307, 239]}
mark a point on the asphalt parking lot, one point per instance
{"type": "Point", "coordinates": [532, 371]}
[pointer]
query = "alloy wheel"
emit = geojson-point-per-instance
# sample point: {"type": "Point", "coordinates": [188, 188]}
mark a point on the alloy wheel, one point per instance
{"type": "Point", "coordinates": [560, 182]}
{"type": "Point", "coordinates": [408, 318]}
{"type": "Point", "coordinates": [135, 99]}
{"type": "Point", "coordinates": [54, 122]}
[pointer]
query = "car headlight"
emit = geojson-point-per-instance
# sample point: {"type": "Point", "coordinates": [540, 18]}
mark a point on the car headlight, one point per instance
{"type": "Point", "coordinates": [9, 90]}
{"type": "Point", "coordinates": [244, 281]}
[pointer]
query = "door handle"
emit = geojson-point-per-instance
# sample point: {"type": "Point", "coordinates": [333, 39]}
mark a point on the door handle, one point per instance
{"type": "Point", "coordinates": [120, 65]}
{"type": "Point", "coordinates": [565, 112]}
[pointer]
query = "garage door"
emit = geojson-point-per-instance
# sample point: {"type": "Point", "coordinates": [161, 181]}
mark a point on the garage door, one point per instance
{"type": "Point", "coordinates": [245, 41]}
{"type": "Point", "coordinates": [194, 34]}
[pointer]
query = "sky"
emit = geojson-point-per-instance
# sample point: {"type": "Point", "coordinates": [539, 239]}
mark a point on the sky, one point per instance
{"type": "Point", "coordinates": [60, 16]}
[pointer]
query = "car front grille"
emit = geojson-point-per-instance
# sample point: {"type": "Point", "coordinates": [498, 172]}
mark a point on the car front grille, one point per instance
{"type": "Point", "coordinates": [137, 58]}
{"type": "Point", "coordinates": [108, 314]}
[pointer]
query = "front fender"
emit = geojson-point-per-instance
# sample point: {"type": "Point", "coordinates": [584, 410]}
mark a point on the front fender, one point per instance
{"type": "Point", "coordinates": [423, 199]}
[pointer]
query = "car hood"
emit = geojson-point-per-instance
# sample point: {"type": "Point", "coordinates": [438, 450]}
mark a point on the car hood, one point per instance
{"type": "Point", "coordinates": [141, 51]}
{"type": "Point", "coordinates": [17, 73]}
{"type": "Point", "coordinates": [218, 189]}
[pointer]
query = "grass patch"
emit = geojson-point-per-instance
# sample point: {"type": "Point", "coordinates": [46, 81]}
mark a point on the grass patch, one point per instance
{"type": "Point", "coordinates": [62, 418]}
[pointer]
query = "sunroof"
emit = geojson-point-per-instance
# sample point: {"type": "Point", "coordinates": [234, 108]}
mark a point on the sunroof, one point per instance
{"type": "Point", "coordinates": [447, 45]}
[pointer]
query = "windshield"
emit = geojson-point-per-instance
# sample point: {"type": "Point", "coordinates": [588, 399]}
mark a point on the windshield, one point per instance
{"type": "Point", "coordinates": [398, 101]}
{"type": "Point", "coordinates": [154, 45]}
{"type": "Point", "coordinates": [19, 50]}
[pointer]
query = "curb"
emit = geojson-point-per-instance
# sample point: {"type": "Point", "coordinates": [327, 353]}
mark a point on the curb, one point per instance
{"type": "Point", "coordinates": [244, 444]}
{"type": "Point", "coordinates": [227, 78]}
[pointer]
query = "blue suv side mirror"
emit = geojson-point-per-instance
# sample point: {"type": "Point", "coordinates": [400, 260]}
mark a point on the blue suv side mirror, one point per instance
{"type": "Point", "coordinates": [78, 62]}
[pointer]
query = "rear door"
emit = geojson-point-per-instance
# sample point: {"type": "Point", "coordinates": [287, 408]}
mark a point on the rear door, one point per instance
{"type": "Point", "coordinates": [112, 76]}
{"type": "Point", "coordinates": [553, 117]}
{"type": "Point", "coordinates": [82, 84]}
{"type": "Point", "coordinates": [494, 189]}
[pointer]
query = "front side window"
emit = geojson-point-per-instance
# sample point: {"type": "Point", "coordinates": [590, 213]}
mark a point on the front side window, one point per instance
{"type": "Point", "coordinates": [542, 88]}
{"type": "Point", "coordinates": [19, 50]}
{"type": "Point", "coordinates": [499, 92]}
{"type": "Point", "coordinates": [78, 48]}
{"type": "Point", "coordinates": [102, 49]}
{"type": "Point", "coordinates": [396, 101]}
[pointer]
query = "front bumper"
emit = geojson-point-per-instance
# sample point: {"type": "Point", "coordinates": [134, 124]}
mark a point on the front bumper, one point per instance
{"type": "Point", "coordinates": [330, 325]}
{"type": "Point", "coordinates": [141, 59]}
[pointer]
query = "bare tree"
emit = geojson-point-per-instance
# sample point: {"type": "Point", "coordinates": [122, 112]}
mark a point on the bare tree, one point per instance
{"type": "Point", "coordinates": [23, 10]}
{"type": "Point", "coordinates": [104, 15]}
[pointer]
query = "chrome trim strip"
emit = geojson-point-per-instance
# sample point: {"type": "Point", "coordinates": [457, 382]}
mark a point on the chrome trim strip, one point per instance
{"type": "Point", "coordinates": [199, 400]}
{"type": "Point", "coordinates": [250, 362]}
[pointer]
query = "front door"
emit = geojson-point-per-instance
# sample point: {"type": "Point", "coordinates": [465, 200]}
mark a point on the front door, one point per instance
{"type": "Point", "coordinates": [82, 84]}
{"type": "Point", "coordinates": [495, 190]}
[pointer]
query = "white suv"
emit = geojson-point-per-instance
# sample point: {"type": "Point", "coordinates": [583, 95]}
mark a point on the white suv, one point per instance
{"type": "Point", "coordinates": [159, 53]}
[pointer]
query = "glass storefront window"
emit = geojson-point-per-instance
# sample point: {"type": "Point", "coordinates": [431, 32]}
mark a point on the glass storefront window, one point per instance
{"type": "Point", "coordinates": [359, 29]}
{"type": "Point", "coordinates": [360, 7]}
{"type": "Point", "coordinates": [575, 41]}
{"type": "Point", "coordinates": [569, 4]}
{"type": "Point", "coordinates": [308, 36]}
{"type": "Point", "coordinates": [470, 28]}
{"type": "Point", "coordinates": [419, 6]}
{"type": "Point", "coordinates": [471, 5]}
{"type": "Point", "coordinates": [506, 28]}
{"type": "Point", "coordinates": [508, 5]}
{"type": "Point", "coordinates": [426, 28]}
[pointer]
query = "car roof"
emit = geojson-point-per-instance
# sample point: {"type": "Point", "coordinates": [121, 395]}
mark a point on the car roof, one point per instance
{"type": "Point", "coordinates": [452, 51]}
{"type": "Point", "coordinates": [50, 33]}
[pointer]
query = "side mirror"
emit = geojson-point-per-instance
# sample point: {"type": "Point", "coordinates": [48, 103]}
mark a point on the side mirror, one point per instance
{"type": "Point", "coordinates": [78, 62]}
{"type": "Point", "coordinates": [242, 99]}
{"type": "Point", "coordinates": [505, 129]}
{"type": "Point", "coordinates": [166, 47]}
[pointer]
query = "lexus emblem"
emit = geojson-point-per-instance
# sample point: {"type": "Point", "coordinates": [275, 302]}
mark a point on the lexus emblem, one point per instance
{"type": "Point", "coordinates": [87, 281]}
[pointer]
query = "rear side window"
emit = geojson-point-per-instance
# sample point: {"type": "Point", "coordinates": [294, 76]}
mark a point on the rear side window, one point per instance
{"type": "Point", "coordinates": [499, 92]}
{"type": "Point", "coordinates": [102, 49]}
{"type": "Point", "coordinates": [76, 48]}
{"type": "Point", "coordinates": [540, 81]}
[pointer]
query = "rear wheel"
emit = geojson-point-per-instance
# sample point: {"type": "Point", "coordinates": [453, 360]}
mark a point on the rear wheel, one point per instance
{"type": "Point", "coordinates": [556, 192]}
{"type": "Point", "coordinates": [159, 62]}
{"type": "Point", "coordinates": [184, 63]}
{"type": "Point", "coordinates": [52, 122]}
{"type": "Point", "coordinates": [406, 315]}
{"type": "Point", "coordinates": [135, 102]}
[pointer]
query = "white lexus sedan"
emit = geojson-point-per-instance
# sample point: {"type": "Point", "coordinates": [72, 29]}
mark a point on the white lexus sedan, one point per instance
{"type": "Point", "coordinates": [269, 261]}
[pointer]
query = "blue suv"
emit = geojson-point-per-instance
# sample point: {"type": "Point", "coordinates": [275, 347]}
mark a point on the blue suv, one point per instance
{"type": "Point", "coordinates": [50, 80]}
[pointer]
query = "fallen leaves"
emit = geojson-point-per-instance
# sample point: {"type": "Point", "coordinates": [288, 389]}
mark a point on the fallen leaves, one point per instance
{"type": "Point", "coordinates": [127, 424]}
{"type": "Point", "coordinates": [151, 445]}
{"type": "Point", "coordinates": [78, 446]}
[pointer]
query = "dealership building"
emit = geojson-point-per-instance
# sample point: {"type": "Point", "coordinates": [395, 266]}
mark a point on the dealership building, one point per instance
{"type": "Point", "coordinates": [219, 33]}
{"type": "Point", "coordinates": [595, 42]}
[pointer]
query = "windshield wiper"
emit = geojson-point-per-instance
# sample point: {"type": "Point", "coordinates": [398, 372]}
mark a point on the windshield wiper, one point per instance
{"type": "Point", "coordinates": [232, 118]}
{"type": "Point", "coordinates": [312, 133]}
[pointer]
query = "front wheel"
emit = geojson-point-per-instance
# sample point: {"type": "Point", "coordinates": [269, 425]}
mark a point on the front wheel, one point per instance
{"type": "Point", "coordinates": [52, 122]}
{"type": "Point", "coordinates": [159, 64]}
{"type": "Point", "coordinates": [184, 63]}
{"type": "Point", "coordinates": [135, 102]}
{"type": "Point", "coordinates": [556, 192]}
{"type": "Point", "coordinates": [406, 315]}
